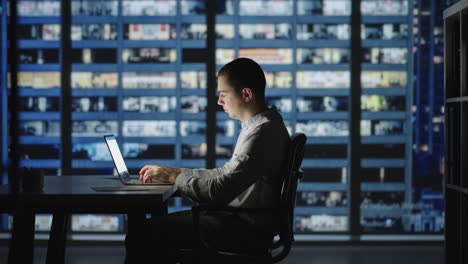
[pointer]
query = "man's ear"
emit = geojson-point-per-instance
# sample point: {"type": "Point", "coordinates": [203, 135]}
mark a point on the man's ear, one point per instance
{"type": "Point", "coordinates": [247, 95]}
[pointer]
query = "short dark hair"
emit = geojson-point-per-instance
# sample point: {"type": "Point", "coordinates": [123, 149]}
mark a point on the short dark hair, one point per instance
{"type": "Point", "coordinates": [244, 72]}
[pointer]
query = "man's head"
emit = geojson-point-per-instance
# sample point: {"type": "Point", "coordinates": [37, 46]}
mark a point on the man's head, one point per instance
{"type": "Point", "coordinates": [241, 88]}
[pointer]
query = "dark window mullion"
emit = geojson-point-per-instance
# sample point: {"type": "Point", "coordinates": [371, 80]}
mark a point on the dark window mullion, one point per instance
{"type": "Point", "coordinates": [178, 92]}
{"type": "Point", "coordinates": [13, 103]}
{"type": "Point", "coordinates": [409, 126]}
{"type": "Point", "coordinates": [211, 83]}
{"type": "Point", "coordinates": [65, 83]}
{"type": "Point", "coordinates": [354, 154]}
{"type": "Point", "coordinates": [3, 95]}
{"type": "Point", "coordinates": [120, 72]}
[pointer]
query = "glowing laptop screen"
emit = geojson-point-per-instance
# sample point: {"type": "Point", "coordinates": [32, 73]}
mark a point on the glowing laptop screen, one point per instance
{"type": "Point", "coordinates": [116, 155]}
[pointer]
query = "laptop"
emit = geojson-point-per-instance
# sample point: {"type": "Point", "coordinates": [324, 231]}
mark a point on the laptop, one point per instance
{"type": "Point", "coordinates": [120, 165]}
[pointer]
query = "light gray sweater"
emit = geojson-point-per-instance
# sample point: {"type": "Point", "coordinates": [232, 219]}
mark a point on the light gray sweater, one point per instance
{"type": "Point", "coordinates": [252, 177]}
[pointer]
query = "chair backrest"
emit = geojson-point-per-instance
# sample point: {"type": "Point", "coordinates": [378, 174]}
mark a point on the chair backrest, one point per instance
{"type": "Point", "coordinates": [288, 195]}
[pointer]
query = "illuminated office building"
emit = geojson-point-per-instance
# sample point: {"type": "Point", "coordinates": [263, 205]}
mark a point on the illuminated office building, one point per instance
{"type": "Point", "coordinates": [139, 72]}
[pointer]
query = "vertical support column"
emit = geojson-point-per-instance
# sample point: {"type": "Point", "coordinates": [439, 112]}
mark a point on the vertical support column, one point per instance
{"type": "Point", "coordinates": [432, 85]}
{"type": "Point", "coordinates": [418, 85]}
{"type": "Point", "coordinates": [409, 104]}
{"type": "Point", "coordinates": [211, 82]}
{"type": "Point", "coordinates": [3, 95]}
{"type": "Point", "coordinates": [13, 102]}
{"type": "Point", "coordinates": [178, 90]}
{"type": "Point", "coordinates": [120, 72]}
{"type": "Point", "coordinates": [21, 234]}
{"type": "Point", "coordinates": [447, 156]}
{"type": "Point", "coordinates": [354, 145]}
{"type": "Point", "coordinates": [293, 116]}
{"type": "Point", "coordinates": [66, 94]}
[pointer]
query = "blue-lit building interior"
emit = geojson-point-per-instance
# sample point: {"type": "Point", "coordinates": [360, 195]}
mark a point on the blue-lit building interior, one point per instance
{"type": "Point", "coordinates": [139, 72]}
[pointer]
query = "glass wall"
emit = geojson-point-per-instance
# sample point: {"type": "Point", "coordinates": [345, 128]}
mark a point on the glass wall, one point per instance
{"type": "Point", "coordinates": [139, 72]}
{"type": "Point", "coordinates": [39, 73]}
{"type": "Point", "coordinates": [428, 115]}
{"type": "Point", "coordinates": [322, 82]}
{"type": "Point", "coordinates": [385, 125]}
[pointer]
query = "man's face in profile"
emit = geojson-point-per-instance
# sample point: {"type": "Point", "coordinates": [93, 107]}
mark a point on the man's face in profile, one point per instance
{"type": "Point", "coordinates": [230, 99]}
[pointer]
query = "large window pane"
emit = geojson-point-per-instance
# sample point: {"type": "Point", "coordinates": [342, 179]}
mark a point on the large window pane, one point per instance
{"type": "Point", "coordinates": [139, 72]}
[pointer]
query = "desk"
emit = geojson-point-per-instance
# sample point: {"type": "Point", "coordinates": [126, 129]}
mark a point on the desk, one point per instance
{"type": "Point", "coordinates": [72, 194]}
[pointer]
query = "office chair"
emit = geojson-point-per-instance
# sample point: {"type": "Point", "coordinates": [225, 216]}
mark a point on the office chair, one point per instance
{"type": "Point", "coordinates": [285, 212]}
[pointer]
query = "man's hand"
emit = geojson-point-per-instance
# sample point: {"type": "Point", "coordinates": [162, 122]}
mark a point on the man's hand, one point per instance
{"type": "Point", "coordinates": [150, 173]}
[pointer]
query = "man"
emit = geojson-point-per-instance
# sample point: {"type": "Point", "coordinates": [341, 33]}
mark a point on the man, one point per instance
{"type": "Point", "coordinates": [250, 179]}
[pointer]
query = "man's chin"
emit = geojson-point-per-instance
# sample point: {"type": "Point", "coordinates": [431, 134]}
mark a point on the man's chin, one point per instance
{"type": "Point", "coordinates": [233, 116]}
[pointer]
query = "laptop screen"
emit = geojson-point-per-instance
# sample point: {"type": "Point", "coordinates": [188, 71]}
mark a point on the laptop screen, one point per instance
{"type": "Point", "coordinates": [116, 155]}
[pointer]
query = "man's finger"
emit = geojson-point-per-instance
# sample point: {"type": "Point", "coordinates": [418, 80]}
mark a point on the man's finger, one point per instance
{"type": "Point", "coordinates": [143, 178]}
{"type": "Point", "coordinates": [146, 177]}
{"type": "Point", "coordinates": [142, 171]}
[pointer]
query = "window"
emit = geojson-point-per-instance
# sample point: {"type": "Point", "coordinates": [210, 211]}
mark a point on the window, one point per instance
{"type": "Point", "coordinates": [139, 72]}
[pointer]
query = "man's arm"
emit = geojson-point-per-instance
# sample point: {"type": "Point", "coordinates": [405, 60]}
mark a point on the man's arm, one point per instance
{"type": "Point", "coordinates": [158, 173]}
{"type": "Point", "coordinates": [243, 170]}
{"type": "Point", "coordinates": [167, 174]}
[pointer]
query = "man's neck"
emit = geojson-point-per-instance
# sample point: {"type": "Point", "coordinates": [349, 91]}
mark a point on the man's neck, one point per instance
{"type": "Point", "coordinates": [253, 112]}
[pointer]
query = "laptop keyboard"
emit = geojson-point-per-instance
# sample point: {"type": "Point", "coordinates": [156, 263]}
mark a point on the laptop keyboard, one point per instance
{"type": "Point", "coordinates": [138, 182]}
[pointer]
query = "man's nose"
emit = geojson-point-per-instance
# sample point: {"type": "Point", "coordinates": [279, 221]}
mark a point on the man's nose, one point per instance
{"type": "Point", "coordinates": [220, 102]}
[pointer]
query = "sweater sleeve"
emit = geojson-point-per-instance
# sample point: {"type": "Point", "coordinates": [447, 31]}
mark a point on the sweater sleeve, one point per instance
{"type": "Point", "coordinates": [222, 185]}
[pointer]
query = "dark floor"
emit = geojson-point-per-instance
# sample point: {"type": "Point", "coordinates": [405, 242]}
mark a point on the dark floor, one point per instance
{"type": "Point", "coordinates": [310, 254]}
